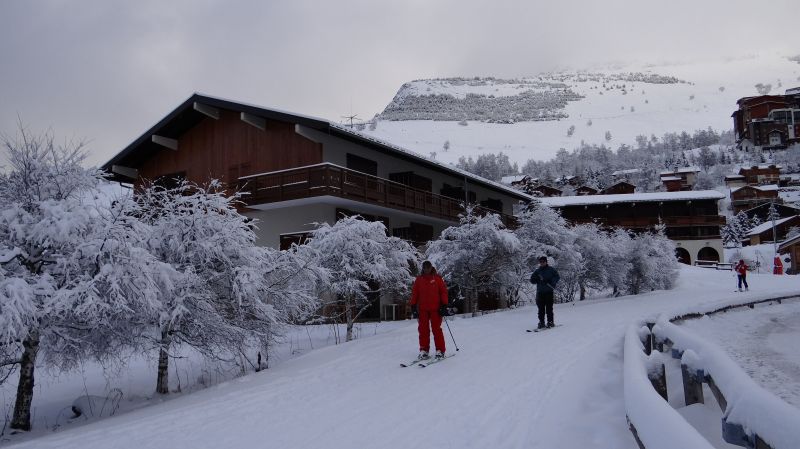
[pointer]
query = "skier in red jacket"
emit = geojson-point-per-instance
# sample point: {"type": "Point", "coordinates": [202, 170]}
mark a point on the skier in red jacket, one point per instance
{"type": "Point", "coordinates": [429, 304]}
{"type": "Point", "coordinates": [741, 271]}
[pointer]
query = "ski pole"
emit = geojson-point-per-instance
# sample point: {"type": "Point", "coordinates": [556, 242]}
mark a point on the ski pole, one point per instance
{"type": "Point", "coordinates": [451, 333]}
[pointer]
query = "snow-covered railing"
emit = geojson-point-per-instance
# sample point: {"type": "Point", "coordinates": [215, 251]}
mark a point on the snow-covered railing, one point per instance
{"type": "Point", "coordinates": [653, 422]}
{"type": "Point", "coordinates": [752, 416]}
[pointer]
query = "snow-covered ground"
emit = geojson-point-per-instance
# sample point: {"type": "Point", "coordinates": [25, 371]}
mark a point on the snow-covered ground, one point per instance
{"type": "Point", "coordinates": [707, 99]}
{"type": "Point", "coordinates": [763, 341]}
{"type": "Point", "coordinates": [506, 388]}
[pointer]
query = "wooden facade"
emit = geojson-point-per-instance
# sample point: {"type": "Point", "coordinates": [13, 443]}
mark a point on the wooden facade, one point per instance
{"type": "Point", "coordinates": [748, 197]}
{"type": "Point", "coordinates": [764, 232]}
{"type": "Point", "coordinates": [620, 187]}
{"type": "Point", "coordinates": [308, 168]}
{"type": "Point", "coordinates": [228, 148]}
{"type": "Point", "coordinates": [792, 247]}
{"type": "Point", "coordinates": [761, 174]}
{"type": "Point", "coordinates": [768, 121]}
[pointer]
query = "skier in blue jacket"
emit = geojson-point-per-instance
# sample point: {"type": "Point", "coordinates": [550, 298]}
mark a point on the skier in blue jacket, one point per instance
{"type": "Point", "coordinates": [545, 277]}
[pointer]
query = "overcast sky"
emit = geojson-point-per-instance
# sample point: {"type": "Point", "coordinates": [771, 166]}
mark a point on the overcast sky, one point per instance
{"type": "Point", "coordinates": [107, 70]}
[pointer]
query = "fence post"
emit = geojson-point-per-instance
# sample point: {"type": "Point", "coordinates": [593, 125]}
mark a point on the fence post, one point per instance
{"type": "Point", "coordinates": [659, 381]}
{"type": "Point", "coordinates": [692, 386]}
{"type": "Point", "coordinates": [723, 404]}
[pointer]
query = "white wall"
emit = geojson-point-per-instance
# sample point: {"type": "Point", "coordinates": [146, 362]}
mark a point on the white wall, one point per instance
{"type": "Point", "coordinates": [694, 247]}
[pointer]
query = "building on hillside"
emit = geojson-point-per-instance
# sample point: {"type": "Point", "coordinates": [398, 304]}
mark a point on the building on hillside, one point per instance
{"type": "Point", "coordinates": [688, 176]}
{"type": "Point", "coordinates": [762, 211]}
{"type": "Point", "coordinates": [511, 180]}
{"type": "Point", "coordinates": [763, 233]}
{"type": "Point", "coordinates": [544, 191]}
{"type": "Point", "coordinates": [767, 121]}
{"type": "Point", "coordinates": [296, 170]}
{"type": "Point", "coordinates": [625, 175]}
{"type": "Point", "coordinates": [620, 187]}
{"type": "Point", "coordinates": [586, 190]}
{"type": "Point", "coordinates": [748, 197]}
{"type": "Point", "coordinates": [573, 181]}
{"type": "Point", "coordinates": [758, 175]}
{"type": "Point", "coordinates": [672, 183]}
{"type": "Point", "coordinates": [791, 247]}
{"type": "Point", "coordinates": [691, 219]}
{"type": "Point", "coordinates": [734, 181]}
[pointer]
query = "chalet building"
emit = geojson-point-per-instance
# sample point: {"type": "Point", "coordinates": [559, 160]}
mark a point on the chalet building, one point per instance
{"type": "Point", "coordinates": [586, 190]}
{"type": "Point", "coordinates": [762, 211]}
{"type": "Point", "coordinates": [688, 176]}
{"type": "Point", "coordinates": [758, 175]}
{"type": "Point", "coordinates": [625, 175]}
{"type": "Point", "coordinates": [768, 121]}
{"type": "Point", "coordinates": [734, 181]}
{"type": "Point", "coordinates": [620, 187]}
{"type": "Point", "coordinates": [544, 191]}
{"type": "Point", "coordinates": [296, 170]}
{"type": "Point", "coordinates": [748, 197]}
{"type": "Point", "coordinates": [692, 219]}
{"type": "Point", "coordinates": [763, 233]}
{"type": "Point", "coordinates": [572, 181]}
{"type": "Point", "coordinates": [791, 247]}
{"type": "Point", "coordinates": [672, 183]}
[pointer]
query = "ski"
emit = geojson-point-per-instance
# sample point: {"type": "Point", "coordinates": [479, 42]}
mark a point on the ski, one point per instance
{"type": "Point", "coordinates": [412, 363]}
{"type": "Point", "coordinates": [434, 360]}
{"type": "Point", "coordinates": [542, 329]}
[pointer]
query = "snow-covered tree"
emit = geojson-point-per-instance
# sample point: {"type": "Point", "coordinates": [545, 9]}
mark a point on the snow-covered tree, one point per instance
{"type": "Point", "coordinates": [772, 213]}
{"type": "Point", "coordinates": [361, 261]}
{"type": "Point", "coordinates": [225, 292]}
{"type": "Point", "coordinates": [543, 232]}
{"type": "Point", "coordinates": [474, 254]}
{"type": "Point", "coordinates": [736, 229]}
{"type": "Point", "coordinates": [69, 267]}
{"type": "Point", "coordinates": [653, 264]}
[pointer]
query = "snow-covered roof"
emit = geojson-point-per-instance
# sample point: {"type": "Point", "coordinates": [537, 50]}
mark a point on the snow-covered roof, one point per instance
{"type": "Point", "coordinates": [626, 172]}
{"type": "Point", "coordinates": [512, 178]}
{"type": "Point", "coordinates": [734, 177]}
{"type": "Point", "coordinates": [681, 170]}
{"type": "Point", "coordinates": [671, 178]}
{"type": "Point", "coordinates": [766, 188]}
{"type": "Point", "coordinates": [632, 197]}
{"type": "Point", "coordinates": [768, 225]}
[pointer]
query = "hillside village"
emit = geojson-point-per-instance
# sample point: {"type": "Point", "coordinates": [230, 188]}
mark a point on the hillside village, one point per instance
{"type": "Point", "coordinates": [231, 240]}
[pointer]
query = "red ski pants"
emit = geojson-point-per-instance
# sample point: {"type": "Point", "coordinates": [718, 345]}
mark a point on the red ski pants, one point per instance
{"type": "Point", "coordinates": [430, 320]}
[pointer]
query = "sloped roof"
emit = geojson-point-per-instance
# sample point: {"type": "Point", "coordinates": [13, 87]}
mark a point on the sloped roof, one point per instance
{"type": "Point", "coordinates": [185, 117]}
{"type": "Point", "coordinates": [767, 225]}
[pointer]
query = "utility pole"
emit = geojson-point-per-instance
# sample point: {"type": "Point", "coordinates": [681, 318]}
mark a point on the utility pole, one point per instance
{"type": "Point", "coordinates": [774, 236]}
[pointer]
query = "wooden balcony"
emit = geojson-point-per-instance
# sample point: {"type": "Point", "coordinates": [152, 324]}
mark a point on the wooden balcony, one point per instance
{"type": "Point", "coordinates": [648, 222]}
{"type": "Point", "coordinates": [328, 179]}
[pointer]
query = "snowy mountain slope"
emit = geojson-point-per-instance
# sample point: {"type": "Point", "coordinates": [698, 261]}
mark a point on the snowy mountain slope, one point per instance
{"type": "Point", "coordinates": [506, 388]}
{"type": "Point", "coordinates": [706, 98]}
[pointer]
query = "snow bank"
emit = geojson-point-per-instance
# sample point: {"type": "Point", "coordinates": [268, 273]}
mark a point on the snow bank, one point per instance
{"type": "Point", "coordinates": [657, 424]}
{"type": "Point", "coordinates": [757, 410]}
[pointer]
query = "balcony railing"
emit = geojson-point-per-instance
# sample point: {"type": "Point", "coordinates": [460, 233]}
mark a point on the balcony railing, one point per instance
{"type": "Point", "coordinates": [332, 180]}
{"type": "Point", "coordinates": [645, 222]}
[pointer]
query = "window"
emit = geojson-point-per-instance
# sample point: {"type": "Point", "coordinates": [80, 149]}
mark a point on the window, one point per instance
{"type": "Point", "coordinates": [362, 165]}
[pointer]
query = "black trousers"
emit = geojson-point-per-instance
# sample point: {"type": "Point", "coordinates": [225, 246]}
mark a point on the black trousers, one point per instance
{"type": "Point", "coordinates": [544, 301]}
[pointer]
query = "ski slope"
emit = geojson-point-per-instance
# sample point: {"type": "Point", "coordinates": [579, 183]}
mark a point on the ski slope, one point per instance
{"type": "Point", "coordinates": [706, 99]}
{"type": "Point", "coordinates": [505, 388]}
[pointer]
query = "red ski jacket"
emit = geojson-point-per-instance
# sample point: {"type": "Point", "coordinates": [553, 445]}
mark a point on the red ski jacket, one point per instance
{"type": "Point", "coordinates": [741, 268]}
{"type": "Point", "coordinates": [429, 292]}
